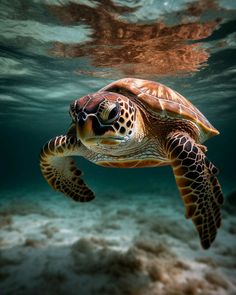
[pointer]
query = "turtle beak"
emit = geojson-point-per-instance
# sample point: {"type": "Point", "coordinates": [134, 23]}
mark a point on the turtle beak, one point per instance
{"type": "Point", "coordinates": [84, 127]}
{"type": "Point", "coordinates": [91, 132]}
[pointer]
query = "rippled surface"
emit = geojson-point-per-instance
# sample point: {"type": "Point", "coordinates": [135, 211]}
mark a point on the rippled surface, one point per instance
{"type": "Point", "coordinates": [54, 51]}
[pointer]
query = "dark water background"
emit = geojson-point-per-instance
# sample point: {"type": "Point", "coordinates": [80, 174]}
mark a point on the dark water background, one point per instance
{"type": "Point", "coordinates": [55, 51]}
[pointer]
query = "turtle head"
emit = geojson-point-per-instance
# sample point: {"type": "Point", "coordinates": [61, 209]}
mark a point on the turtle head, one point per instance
{"type": "Point", "coordinates": [104, 119]}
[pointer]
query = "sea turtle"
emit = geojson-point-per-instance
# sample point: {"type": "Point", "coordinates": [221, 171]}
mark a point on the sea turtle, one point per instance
{"type": "Point", "coordinates": [139, 123]}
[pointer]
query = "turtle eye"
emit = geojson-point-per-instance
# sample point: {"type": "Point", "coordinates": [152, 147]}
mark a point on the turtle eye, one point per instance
{"type": "Point", "coordinates": [109, 113]}
{"type": "Point", "coordinates": [114, 113]}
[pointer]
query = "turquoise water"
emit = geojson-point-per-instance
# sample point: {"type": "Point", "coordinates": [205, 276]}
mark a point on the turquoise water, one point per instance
{"type": "Point", "coordinates": [53, 52]}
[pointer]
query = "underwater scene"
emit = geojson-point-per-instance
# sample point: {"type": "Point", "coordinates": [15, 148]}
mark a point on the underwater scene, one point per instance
{"type": "Point", "coordinates": [145, 230]}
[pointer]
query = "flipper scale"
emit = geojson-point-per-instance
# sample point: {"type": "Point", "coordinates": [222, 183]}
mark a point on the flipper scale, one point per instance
{"type": "Point", "coordinates": [196, 178]}
{"type": "Point", "coordinates": [59, 168]}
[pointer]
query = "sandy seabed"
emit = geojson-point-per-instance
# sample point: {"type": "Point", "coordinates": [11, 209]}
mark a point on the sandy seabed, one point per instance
{"type": "Point", "coordinates": [116, 245]}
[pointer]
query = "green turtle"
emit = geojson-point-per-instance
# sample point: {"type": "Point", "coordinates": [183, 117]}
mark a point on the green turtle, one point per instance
{"type": "Point", "coordinates": [139, 123]}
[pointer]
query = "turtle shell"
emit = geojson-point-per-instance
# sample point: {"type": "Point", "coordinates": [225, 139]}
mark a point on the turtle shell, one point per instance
{"type": "Point", "coordinates": [162, 101]}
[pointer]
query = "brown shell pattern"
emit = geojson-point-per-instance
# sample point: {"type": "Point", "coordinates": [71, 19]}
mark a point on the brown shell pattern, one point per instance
{"type": "Point", "coordinates": [161, 99]}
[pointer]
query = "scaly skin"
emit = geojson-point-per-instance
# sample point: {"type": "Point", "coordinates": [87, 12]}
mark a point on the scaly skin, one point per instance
{"type": "Point", "coordinates": [196, 179]}
{"type": "Point", "coordinates": [60, 171]}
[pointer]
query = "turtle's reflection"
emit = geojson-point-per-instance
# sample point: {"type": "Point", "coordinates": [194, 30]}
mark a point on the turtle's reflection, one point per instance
{"type": "Point", "coordinates": [134, 48]}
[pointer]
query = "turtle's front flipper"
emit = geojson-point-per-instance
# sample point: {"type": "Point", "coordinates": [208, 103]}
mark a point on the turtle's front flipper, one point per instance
{"type": "Point", "coordinates": [196, 178]}
{"type": "Point", "coordinates": [59, 169]}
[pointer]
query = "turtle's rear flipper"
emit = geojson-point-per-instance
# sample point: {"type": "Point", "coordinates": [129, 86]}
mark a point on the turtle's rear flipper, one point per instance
{"type": "Point", "coordinates": [196, 178]}
{"type": "Point", "coordinates": [60, 171]}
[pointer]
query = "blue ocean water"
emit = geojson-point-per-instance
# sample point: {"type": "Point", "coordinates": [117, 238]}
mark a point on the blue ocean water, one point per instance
{"type": "Point", "coordinates": [54, 51]}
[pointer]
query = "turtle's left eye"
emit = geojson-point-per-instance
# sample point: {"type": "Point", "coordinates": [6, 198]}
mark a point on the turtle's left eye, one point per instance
{"type": "Point", "coordinates": [109, 113]}
{"type": "Point", "coordinates": [114, 113]}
